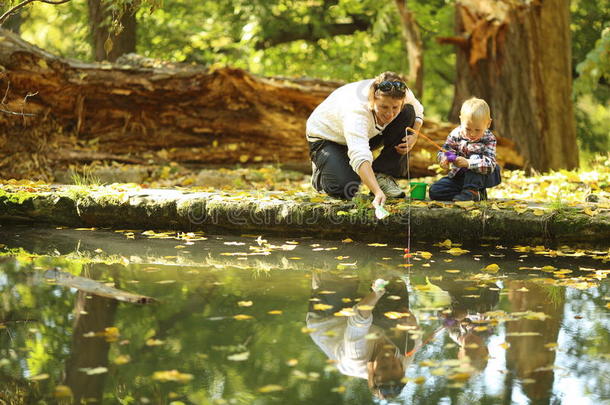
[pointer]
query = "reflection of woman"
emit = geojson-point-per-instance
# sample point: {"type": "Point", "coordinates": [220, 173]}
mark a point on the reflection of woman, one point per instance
{"type": "Point", "coordinates": [362, 343]}
{"type": "Point", "coordinates": [352, 121]}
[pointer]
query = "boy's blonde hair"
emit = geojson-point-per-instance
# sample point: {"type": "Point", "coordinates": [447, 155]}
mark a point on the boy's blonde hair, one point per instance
{"type": "Point", "coordinates": [475, 109]}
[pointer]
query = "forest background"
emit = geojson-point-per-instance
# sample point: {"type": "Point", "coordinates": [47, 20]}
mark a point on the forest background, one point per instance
{"type": "Point", "coordinates": [344, 40]}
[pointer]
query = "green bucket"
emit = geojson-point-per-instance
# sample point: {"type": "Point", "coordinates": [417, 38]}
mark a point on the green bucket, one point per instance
{"type": "Point", "coordinates": [418, 190]}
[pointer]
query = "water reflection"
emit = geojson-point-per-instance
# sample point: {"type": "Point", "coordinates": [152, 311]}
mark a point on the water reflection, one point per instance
{"type": "Point", "coordinates": [243, 321]}
{"type": "Point", "coordinates": [371, 336]}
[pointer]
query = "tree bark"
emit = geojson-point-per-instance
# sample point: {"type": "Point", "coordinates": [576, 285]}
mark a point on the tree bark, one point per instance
{"type": "Point", "coordinates": [415, 48]}
{"type": "Point", "coordinates": [143, 110]}
{"type": "Point", "coordinates": [517, 57]}
{"type": "Point", "coordinates": [101, 37]}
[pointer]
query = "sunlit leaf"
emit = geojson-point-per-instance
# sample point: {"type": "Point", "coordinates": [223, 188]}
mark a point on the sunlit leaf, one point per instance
{"type": "Point", "coordinates": [275, 312]}
{"type": "Point", "coordinates": [492, 268]}
{"type": "Point", "coordinates": [456, 251]}
{"type": "Point", "coordinates": [244, 303]}
{"type": "Point", "coordinates": [242, 317]}
{"type": "Point", "coordinates": [270, 388]}
{"type": "Point", "coordinates": [239, 356]}
{"type": "Point", "coordinates": [172, 375]}
{"type": "Point", "coordinates": [62, 391]}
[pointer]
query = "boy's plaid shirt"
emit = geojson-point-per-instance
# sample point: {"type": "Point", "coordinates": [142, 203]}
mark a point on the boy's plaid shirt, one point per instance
{"type": "Point", "coordinates": [481, 154]}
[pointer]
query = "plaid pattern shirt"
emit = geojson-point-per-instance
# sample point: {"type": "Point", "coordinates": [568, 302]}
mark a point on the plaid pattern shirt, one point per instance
{"type": "Point", "coordinates": [481, 154]}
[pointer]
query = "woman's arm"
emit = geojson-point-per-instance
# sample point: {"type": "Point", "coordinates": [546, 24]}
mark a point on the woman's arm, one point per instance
{"type": "Point", "coordinates": [365, 171]}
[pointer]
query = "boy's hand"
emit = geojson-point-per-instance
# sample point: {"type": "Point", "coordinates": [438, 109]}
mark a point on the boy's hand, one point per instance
{"type": "Point", "coordinates": [461, 162]}
{"type": "Point", "coordinates": [444, 163]}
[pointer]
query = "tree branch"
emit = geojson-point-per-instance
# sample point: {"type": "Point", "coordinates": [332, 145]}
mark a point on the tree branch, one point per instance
{"type": "Point", "coordinates": [310, 33]}
{"type": "Point", "coordinates": [14, 9]}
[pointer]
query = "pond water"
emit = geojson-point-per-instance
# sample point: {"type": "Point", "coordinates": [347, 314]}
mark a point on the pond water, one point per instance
{"type": "Point", "coordinates": [256, 320]}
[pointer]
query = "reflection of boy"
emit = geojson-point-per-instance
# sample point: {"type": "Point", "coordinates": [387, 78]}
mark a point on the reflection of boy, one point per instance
{"type": "Point", "coordinates": [359, 347]}
{"type": "Point", "coordinates": [466, 316]}
{"type": "Point", "coordinates": [471, 152]}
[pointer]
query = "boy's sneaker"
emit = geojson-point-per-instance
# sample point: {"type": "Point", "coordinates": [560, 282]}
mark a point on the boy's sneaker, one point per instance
{"type": "Point", "coordinates": [388, 185]}
{"type": "Point", "coordinates": [468, 194]}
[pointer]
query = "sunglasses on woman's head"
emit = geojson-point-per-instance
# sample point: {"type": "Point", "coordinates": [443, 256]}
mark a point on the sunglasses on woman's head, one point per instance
{"type": "Point", "coordinates": [387, 85]}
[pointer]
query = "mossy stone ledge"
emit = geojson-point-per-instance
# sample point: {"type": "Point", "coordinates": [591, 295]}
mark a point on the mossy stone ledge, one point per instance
{"type": "Point", "coordinates": [297, 214]}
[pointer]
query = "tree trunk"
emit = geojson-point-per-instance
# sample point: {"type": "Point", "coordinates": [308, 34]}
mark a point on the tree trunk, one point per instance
{"type": "Point", "coordinates": [516, 55]}
{"type": "Point", "coordinates": [415, 46]}
{"type": "Point", "coordinates": [107, 46]}
{"type": "Point", "coordinates": [148, 111]}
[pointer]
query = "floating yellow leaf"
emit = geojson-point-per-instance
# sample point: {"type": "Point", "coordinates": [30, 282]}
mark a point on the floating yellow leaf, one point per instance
{"type": "Point", "coordinates": [321, 307]}
{"type": "Point", "coordinates": [270, 388]}
{"type": "Point", "coordinates": [242, 317]}
{"type": "Point", "coordinates": [62, 391]}
{"type": "Point", "coordinates": [492, 268]}
{"type": "Point", "coordinates": [419, 380]}
{"type": "Point", "coordinates": [275, 312]}
{"type": "Point", "coordinates": [308, 330]}
{"type": "Point", "coordinates": [347, 240]}
{"type": "Point", "coordinates": [122, 359]}
{"type": "Point", "coordinates": [377, 244]}
{"type": "Point", "coordinates": [425, 255]}
{"type": "Point", "coordinates": [244, 303]}
{"type": "Point", "coordinates": [456, 251]}
{"type": "Point", "coordinates": [396, 315]}
{"type": "Point", "coordinates": [172, 375]}
{"type": "Point", "coordinates": [292, 362]}
{"type": "Point", "coordinates": [452, 271]}
{"type": "Point", "coordinates": [447, 243]}
{"type": "Point", "coordinates": [340, 389]}
{"type": "Point", "coordinates": [239, 356]}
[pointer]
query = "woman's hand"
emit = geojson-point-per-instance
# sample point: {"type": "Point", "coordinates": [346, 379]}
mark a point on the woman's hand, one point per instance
{"type": "Point", "coordinates": [379, 199]}
{"type": "Point", "coordinates": [408, 143]}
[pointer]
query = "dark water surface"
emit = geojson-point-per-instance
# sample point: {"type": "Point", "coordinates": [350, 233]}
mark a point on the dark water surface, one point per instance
{"type": "Point", "coordinates": [255, 320]}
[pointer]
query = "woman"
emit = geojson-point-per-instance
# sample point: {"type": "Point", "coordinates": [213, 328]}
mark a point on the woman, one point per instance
{"type": "Point", "coordinates": [354, 120]}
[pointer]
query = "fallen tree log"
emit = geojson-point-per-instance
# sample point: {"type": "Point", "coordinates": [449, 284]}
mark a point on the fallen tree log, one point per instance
{"type": "Point", "coordinates": [56, 276]}
{"type": "Point", "coordinates": [144, 110]}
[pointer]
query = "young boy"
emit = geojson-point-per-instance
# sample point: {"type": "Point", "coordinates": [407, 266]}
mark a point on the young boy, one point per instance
{"type": "Point", "coordinates": [470, 149]}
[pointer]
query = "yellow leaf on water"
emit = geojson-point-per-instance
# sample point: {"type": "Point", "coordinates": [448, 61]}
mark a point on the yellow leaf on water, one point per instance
{"type": "Point", "coordinates": [456, 251]}
{"type": "Point", "coordinates": [239, 356]}
{"type": "Point", "coordinates": [154, 342]}
{"type": "Point", "coordinates": [419, 380]}
{"type": "Point", "coordinates": [452, 271]}
{"type": "Point", "coordinates": [275, 312]}
{"type": "Point", "coordinates": [122, 359]}
{"type": "Point", "coordinates": [492, 268]}
{"type": "Point", "coordinates": [447, 243]}
{"type": "Point", "coordinates": [270, 388]}
{"type": "Point", "coordinates": [172, 375]}
{"type": "Point", "coordinates": [425, 255]}
{"type": "Point", "coordinates": [377, 244]}
{"type": "Point", "coordinates": [347, 240]}
{"type": "Point", "coordinates": [62, 391]}
{"type": "Point", "coordinates": [308, 330]}
{"type": "Point", "coordinates": [321, 307]}
{"type": "Point", "coordinates": [244, 303]}
{"type": "Point", "coordinates": [242, 317]}
{"type": "Point", "coordinates": [340, 389]}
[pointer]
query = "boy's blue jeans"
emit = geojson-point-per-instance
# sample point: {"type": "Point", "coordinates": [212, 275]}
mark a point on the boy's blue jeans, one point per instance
{"type": "Point", "coordinates": [448, 187]}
